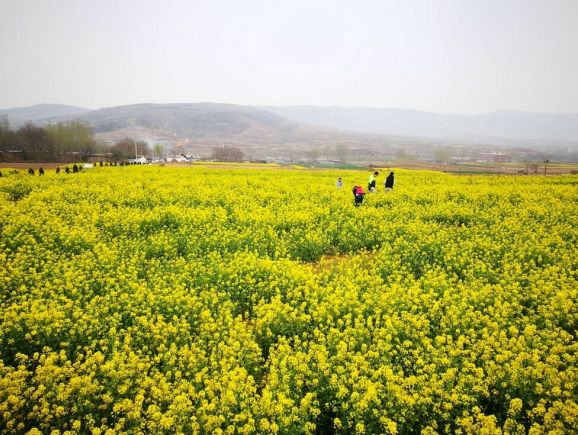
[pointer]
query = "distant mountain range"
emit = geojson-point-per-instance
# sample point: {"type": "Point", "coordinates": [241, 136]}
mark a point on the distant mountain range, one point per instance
{"type": "Point", "coordinates": [507, 125]}
{"type": "Point", "coordinates": [308, 124]}
{"type": "Point", "coordinates": [199, 126]}
{"type": "Point", "coordinates": [191, 120]}
{"type": "Point", "coordinates": [20, 115]}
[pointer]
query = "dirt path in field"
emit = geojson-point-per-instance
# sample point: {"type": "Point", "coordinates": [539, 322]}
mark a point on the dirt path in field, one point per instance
{"type": "Point", "coordinates": [34, 166]}
{"type": "Point", "coordinates": [233, 166]}
{"type": "Point", "coordinates": [328, 262]}
{"type": "Point", "coordinates": [505, 169]}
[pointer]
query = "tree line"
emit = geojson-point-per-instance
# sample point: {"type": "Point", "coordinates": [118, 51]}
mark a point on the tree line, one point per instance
{"type": "Point", "coordinates": [74, 141]}
{"type": "Point", "coordinates": [47, 143]}
{"type": "Point", "coordinates": [63, 141]}
{"type": "Point", "coordinates": [227, 154]}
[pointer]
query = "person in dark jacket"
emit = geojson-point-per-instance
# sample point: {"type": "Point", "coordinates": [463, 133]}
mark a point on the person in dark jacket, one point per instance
{"type": "Point", "coordinates": [389, 182]}
{"type": "Point", "coordinates": [358, 195]}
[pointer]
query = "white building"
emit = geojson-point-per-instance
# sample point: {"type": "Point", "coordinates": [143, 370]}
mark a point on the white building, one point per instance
{"type": "Point", "coordinates": [142, 160]}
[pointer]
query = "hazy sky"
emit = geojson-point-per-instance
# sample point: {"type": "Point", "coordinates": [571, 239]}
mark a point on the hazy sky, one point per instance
{"type": "Point", "coordinates": [462, 56]}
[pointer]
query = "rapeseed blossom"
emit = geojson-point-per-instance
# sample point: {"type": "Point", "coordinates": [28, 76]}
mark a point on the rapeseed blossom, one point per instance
{"type": "Point", "coordinates": [152, 300]}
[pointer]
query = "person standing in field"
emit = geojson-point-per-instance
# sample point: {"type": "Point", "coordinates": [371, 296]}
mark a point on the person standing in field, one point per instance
{"type": "Point", "coordinates": [339, 183]}
{"type": "Point", "coordinates": [371, 182]}
{"type": "Point", "coordinates": [358, 195]}
{"type": "Point", "coordinates": [389, 182]}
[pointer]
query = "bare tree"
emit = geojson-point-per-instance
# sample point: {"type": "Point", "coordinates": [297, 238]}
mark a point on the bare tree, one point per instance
{"type": "Point", "coordinates": [73, 137]}
{"type": "Point", "coordinates": [35, 142]}
{"type": "Point", "coordinates": [442, 155]}
{"type": "Point", "coordinates": [227, 154]}
{"type": "Point", "coordinates": [341, 152]}
{"type": "Point", "coordinates": [126, 148]}
{"type": "Point", "coordinates": [4, 130]}
{"type": "Point", "coordinates": [313, 154]}
{"type": "Point", "coordinates": [7, 136]}
{"type": "Point", "coordinates": [158, 151]}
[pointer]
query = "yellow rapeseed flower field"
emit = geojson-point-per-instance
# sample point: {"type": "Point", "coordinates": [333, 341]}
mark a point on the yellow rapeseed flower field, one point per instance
{"type": "Point", "coordinates": [214, 300]}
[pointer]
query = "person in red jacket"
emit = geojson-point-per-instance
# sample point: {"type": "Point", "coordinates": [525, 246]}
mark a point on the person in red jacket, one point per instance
{"type": "Point", "coordinates": [358, 195]}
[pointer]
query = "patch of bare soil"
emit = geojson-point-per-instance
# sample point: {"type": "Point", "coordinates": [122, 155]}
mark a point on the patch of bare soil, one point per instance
{"type": "Point", "coordinates": [34, 166]}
